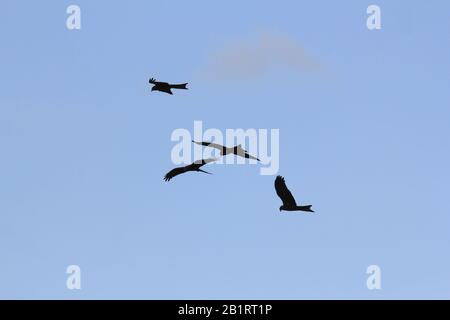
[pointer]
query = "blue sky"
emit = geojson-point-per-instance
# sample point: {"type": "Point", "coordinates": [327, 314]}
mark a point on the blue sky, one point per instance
{"type": "Point", "coordinates": [84, 147]}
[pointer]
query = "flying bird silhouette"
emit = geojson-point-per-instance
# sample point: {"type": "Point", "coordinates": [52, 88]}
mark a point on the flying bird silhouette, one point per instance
{"type": "Point", "coordinates": [191, 167]}
{"type": "Point", "coordinates": [285, 195]}
{"type": "Point", "coordinates": [237, 150]}
{"type": "Point", "coordinates": [166, 87]}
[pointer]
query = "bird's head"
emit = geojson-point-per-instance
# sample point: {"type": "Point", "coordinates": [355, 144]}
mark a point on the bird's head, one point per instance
{"type": "Point", "coordinates": [152, 81]}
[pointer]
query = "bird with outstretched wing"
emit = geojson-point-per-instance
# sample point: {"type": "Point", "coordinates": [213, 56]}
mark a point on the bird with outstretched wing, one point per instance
{"type": "Point", "coordinates": [236, 150]}
{"type": "Point", "coordinates": [289, 203]}
{"type": "Point", "coordinates": [191, 167]}
{"type": "Point", "coordinates": [166, 87]}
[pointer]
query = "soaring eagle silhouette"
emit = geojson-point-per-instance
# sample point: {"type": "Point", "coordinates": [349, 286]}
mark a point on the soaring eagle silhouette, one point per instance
{"type": "Point", "coordinates": [191, 167]}
{"type": "Point", "coordinates": [285, 195]}
{"type": "Point", "coordinates": [166, 87]}
{"type": "Point", "coordinates": [237, 150]}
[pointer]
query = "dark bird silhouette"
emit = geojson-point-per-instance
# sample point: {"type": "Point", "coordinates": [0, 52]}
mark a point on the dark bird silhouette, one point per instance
{"type": "Point", "coordinates": [237, 150]}
{"type": "Point", "coordinates": [191, 167]}
{"type": "Point", "coordinates": [166, 87]}
{"type": "Point", "coordinates": [285, 195]}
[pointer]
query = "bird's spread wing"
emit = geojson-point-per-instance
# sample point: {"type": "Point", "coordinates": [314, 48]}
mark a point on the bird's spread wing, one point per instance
{"type": "Point", "coordinates": [206, 161]}
{"type": "Point", "coordinates": [209, 144]}
{"type": "Point", "coordinates": [199, 163]}
{"type": "Point", "coordinates": [249, 156]}
{"type": "Point", "coordinates": [238, 150]}
{"type": "Point", "coordinates": [166, 90]}
{"type": "Point", "coordinates": [195, 166]}
{"type": "Point", "coordinates": [174, 172]}
{"type": "Point", "coordinates": [283, 192]}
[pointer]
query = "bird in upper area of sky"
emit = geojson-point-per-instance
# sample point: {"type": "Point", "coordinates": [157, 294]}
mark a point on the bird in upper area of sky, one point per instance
{"type": "Point", "coordinates": [285, 195]}
{"type": "Point", "coordinates": [191, 167]}
{"type": "Point", "coordinates": [237, 150]}
{"type": "Point", "coordinates": [166, 87]}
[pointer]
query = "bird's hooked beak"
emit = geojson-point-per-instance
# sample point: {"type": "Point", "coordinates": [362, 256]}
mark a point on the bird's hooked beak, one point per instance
{"type": "Point", "coordinates": [153, 88]}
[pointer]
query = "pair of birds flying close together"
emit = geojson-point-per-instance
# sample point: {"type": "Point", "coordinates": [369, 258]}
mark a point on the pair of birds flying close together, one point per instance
{"type": "Point", "coordinates": [196, 165]}
{"type": "Point", "coordinates": [289, 203]}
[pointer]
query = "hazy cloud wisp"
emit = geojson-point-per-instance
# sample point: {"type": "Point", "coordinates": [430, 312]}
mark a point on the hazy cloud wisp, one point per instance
{"type": "Point", "coordinates": [257, 57]}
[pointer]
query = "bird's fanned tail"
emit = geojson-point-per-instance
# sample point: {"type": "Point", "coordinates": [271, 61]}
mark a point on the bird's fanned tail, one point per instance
{"type": "Point", "coordinates": [179, 86]}
{"type": "Point", "coordinates": [305, 208]}
{"type": "Point", "coordinates": [204, 171]}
